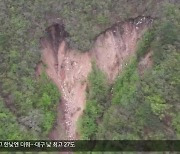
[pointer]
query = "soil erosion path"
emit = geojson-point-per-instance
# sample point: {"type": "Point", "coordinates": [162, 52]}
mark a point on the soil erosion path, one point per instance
{"type": "Point", "coordinates": [69, 69]}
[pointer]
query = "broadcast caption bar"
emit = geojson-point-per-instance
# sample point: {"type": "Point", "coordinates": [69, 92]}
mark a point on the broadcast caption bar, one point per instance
{"type": "Point", "coordinates": [90, 145]}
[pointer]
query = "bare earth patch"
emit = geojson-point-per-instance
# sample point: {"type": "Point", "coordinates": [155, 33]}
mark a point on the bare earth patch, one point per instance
{"type": "Point", "coordinates": [145, 63]}
{"type": "Point", "coordinates": [110, 51]}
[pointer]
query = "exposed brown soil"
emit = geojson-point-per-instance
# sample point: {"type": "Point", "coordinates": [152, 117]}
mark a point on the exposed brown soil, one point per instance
{"type": "Point", "coordinates": [69, 69]}
{"type": "Point", "coordinates": [145, 63]}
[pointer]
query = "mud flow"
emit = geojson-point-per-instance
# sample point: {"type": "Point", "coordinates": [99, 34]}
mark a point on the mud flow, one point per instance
{"type": "Point", "coordinates": [69, 68]}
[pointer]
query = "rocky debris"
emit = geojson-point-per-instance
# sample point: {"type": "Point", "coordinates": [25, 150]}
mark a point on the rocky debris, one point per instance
{"type": "Point", "coordinates": [142, 20]}
{"type": "Point", "coordinates": [68, 106]}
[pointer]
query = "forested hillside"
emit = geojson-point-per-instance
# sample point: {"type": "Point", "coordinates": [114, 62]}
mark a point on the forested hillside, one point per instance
{"type": "Point", "coordinates": [134, 107]}
{"type": "Point", "coordinates": [27, 103]}
{"type": "Point", "coordinates": [140, 106]}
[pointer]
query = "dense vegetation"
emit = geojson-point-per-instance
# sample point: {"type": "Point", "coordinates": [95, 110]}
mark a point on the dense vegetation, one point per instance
{"type": "Point", "coordinates": [29, 114]}
{"type": "Point", "coordinates": [96, 96]}
{"type": "Point", "coordinates": [143, 106]}
{"type": "Point", "coordinates": [84, 20]}
{"type": "Point", "coordinates": [27, 104]}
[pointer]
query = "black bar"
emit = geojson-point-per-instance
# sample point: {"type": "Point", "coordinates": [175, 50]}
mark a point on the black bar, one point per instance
{"type": "Point", "coordinates": [90, 145]}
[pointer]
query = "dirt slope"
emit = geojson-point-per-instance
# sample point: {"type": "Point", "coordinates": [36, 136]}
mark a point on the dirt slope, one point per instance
{"type": "Point", "coordinates": [111, 49]}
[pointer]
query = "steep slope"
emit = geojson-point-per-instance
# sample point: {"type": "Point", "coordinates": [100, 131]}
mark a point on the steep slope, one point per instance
{"type": "Point", "coordinates": [69, 68]}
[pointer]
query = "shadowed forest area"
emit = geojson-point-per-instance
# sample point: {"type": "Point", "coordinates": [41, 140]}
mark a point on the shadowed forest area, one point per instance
{"type": "Point", "coordinates": [136, 106]}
